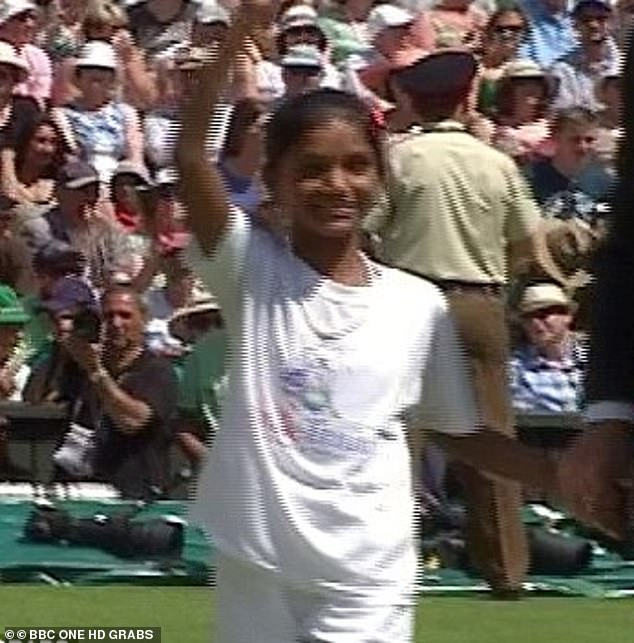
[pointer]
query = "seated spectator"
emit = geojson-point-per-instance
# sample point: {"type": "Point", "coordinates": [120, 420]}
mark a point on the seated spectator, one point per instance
{"type": "Point", "coordinates": [500, 43]}
{"type": "Point", "coordinates": [241, 158]}
{"type": "Point", "coordinates": [106, 21]}
{"type": "Point", "coordinates": [129, 399]}
{"type": "Point", "coordinates": [30, 167]}
{"type": "Point", "coordinates": [162, 302]}
{"type": "Point", "coordinates": [594, 57]}
{"type": "Point", "coordinates": [76, 222]}
{"type": "Point", "coordinates": [97, 129]}
{"type": "Point", "coordinates": [203, 379]}
{"type": "Point", "coordinates": [55, 377]}
{"type": "Point", "coordinates": [14, 349]}
{"type": "Point", "coordinates": [457, 23]}
{"type": "Point", "coordinates": [567, 184]}
{"type": "Point", "coordinates": [610, 96]}
{"type": "Point", "coordinates": [302, 70]}
{"type": "Point", "coordinates": [16, 112]}
{"type": "Point", "coordinates": [520, 112]}
{"type": "Point", "coordinates": [547, 367]}
{"type": "Point", "coordinates": [15, 258]}
{"type": "Point", "coordinates": [390, 33]}
{"type": "Point", "coordinates": [14, 369]}
{"type": "Point", "coordinates": [18, 21]}
{"type": "Point", "coordinates": [157, 25]}
{"type": "Point", "coordinates": [211, 24]}
{"type": "Point", "coordinates": [550, 35]}
{"type": "Point", "coordinates": [344, 24]}
{"type": "Point", "coordinates": [299, 25]}
{"type": "Point", "coordinates": [52, 263]}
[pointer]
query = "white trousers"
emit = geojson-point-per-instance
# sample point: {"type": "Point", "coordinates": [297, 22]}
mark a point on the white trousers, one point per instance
{"type": "Point", "coordinates": [254, 604]}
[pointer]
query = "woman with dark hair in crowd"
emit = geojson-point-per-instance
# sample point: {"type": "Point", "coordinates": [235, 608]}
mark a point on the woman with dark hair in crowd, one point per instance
{"type": "Point", "coordinates": [241, 157]}
{"type": "Point", "coordinates": [520, 110]}
{"type": "Point", "coordinates": [500, 43]}
{"type": "Point", "coordinates": [29, 168]}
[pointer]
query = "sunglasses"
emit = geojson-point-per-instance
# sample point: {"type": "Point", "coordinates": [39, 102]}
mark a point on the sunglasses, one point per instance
{"type": "Point", "coordinates": [508, 29]}
{"type": "Point", "coordinates": [25, 16]}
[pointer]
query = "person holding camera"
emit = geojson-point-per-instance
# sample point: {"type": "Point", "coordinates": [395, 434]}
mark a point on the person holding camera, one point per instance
{"type": "Point", "coordinates": [123, 396]}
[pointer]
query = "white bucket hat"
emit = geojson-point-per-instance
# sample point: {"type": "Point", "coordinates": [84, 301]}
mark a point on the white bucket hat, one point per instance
{"type": "Point", "coordinates": [11, 8]}
{"type": "Point", "coordinates": [9, 56]}
{"type": "Point", "coordinates": [387, 16]}
{"type": "Point", "coordinates": [97, 54]}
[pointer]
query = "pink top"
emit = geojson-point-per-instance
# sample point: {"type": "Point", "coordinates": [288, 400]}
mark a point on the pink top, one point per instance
{"type": "Point", "coordinates": [40, 80]}
{"type": "Point", "coordinates": [525, 142]}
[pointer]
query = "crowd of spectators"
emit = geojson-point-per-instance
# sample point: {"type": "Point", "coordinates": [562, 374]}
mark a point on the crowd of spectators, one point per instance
{"type": "Point", "coordinates": [91, 224]}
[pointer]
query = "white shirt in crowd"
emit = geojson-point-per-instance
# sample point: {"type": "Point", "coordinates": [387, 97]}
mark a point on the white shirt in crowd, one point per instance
{"type": "Point", "coordinates": [310, 471]}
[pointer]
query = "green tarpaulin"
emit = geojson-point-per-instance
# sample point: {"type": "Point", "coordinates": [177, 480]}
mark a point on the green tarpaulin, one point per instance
{"type": "Point", "coordinates": [23, 562]}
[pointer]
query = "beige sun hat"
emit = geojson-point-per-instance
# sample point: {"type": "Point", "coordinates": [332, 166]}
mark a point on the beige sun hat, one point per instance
{"type": "Point", "coordinates": [541, 296]}
{"type": "Point", "coordinates": [202, 301]}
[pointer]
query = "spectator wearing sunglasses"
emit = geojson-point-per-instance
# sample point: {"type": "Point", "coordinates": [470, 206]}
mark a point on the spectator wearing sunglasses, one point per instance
{"type": "Point", "coordinates": [302, 70]}
{"type": "Point", "coordinates": [502, 38]}
{"type": "Point", "coordinates": [547, 367]}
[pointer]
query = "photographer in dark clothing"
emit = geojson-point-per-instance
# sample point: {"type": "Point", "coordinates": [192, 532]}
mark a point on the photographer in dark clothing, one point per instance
{"type": "Point", "coordinates": [119, 430]}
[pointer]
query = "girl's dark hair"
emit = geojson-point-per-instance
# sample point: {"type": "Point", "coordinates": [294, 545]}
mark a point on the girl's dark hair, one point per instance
{"type": "Point", "coordinates": [245, 113]}
{"type": "Point", "coordinates": [308, 112]}
{"type": "Point", "coordinates": [23, 142]}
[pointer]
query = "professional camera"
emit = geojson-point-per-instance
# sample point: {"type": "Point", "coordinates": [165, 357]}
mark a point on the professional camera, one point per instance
{"type": "Point", "coordinates": [117, 534]}
{"type": "Point", "coordinates": [87, 325]}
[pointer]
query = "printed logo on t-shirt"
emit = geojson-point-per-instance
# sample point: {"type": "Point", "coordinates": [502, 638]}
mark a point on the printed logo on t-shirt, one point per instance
{"type": "Point", "coordinates": [311, 409]}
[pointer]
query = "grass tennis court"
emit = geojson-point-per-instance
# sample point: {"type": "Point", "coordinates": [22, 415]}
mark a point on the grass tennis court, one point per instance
{"type": "Point", "coordinates": [185, 615]}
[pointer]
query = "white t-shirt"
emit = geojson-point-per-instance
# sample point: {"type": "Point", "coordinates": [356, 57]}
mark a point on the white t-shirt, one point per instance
{"type": "Point", "coordinates": [310, 473]}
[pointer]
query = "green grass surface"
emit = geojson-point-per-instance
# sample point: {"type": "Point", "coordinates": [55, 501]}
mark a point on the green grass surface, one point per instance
{"type": "Point", "coordinates": [185, 614]}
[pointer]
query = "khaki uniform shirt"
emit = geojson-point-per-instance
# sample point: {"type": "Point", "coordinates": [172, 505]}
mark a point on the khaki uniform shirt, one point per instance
{"type": "Point", "coordinates": [453, 205]}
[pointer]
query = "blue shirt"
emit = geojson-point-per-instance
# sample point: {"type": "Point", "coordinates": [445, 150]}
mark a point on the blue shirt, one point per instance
{"type": "Point", "coordinates": [549, 37]}
{"type": "Point", "coordinates": [540, 385]}
{"type": "Point", "coordinates": [562, 197]}
{"type": "Point", "coordinates": [577, 77]}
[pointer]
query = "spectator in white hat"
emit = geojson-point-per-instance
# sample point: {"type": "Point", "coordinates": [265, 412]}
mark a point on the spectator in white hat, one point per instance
{"type": "Point", "coordinates": [99, 129]}
{"type": "Point", "coordinates": [16, 112]}
{"type": "Point", "coordinates": [547, 367]}
{"type": "Point", "coordinates": [299, 25]}
{"type": "Point", "coordinates": [106, 21]}
{"type": "Point", "coordinates": [302, 70]}
{"type": "Point", "coordinates": [211, 24]}
{"type": "Point", "coordinates": [18, 26]}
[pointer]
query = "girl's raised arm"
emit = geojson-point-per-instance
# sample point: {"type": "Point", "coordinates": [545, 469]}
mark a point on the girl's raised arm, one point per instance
{"type": "Point", "coordinates": [202, 190]}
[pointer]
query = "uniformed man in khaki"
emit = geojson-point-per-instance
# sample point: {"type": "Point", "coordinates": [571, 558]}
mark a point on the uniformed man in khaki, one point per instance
{"type": "Point", "coordinates": [457, 212]}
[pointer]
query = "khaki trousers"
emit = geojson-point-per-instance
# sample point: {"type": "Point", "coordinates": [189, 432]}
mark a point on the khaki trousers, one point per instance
{"type": "Point", "coordinates": [495, 534]}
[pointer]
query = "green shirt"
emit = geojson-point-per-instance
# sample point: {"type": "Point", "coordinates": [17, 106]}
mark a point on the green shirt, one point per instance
{"type": "Point", "coordinates": [203, 378]}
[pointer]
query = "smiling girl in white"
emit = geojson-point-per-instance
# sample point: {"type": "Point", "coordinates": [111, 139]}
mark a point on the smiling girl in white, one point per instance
{"type": "Point", "coordinates": [307, 493]}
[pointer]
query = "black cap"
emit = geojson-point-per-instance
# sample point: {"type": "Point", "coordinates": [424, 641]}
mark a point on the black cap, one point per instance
{"type": "Point", "coordinates": [602, 5]}
{"type": "Point", "coordinates": [446, 74]}
{"type": "Point", "coordinates": [75, 175]}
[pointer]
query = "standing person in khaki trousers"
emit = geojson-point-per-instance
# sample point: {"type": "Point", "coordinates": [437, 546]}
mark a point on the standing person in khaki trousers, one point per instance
{"type": "Point", "coordinates": [457, 210]}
